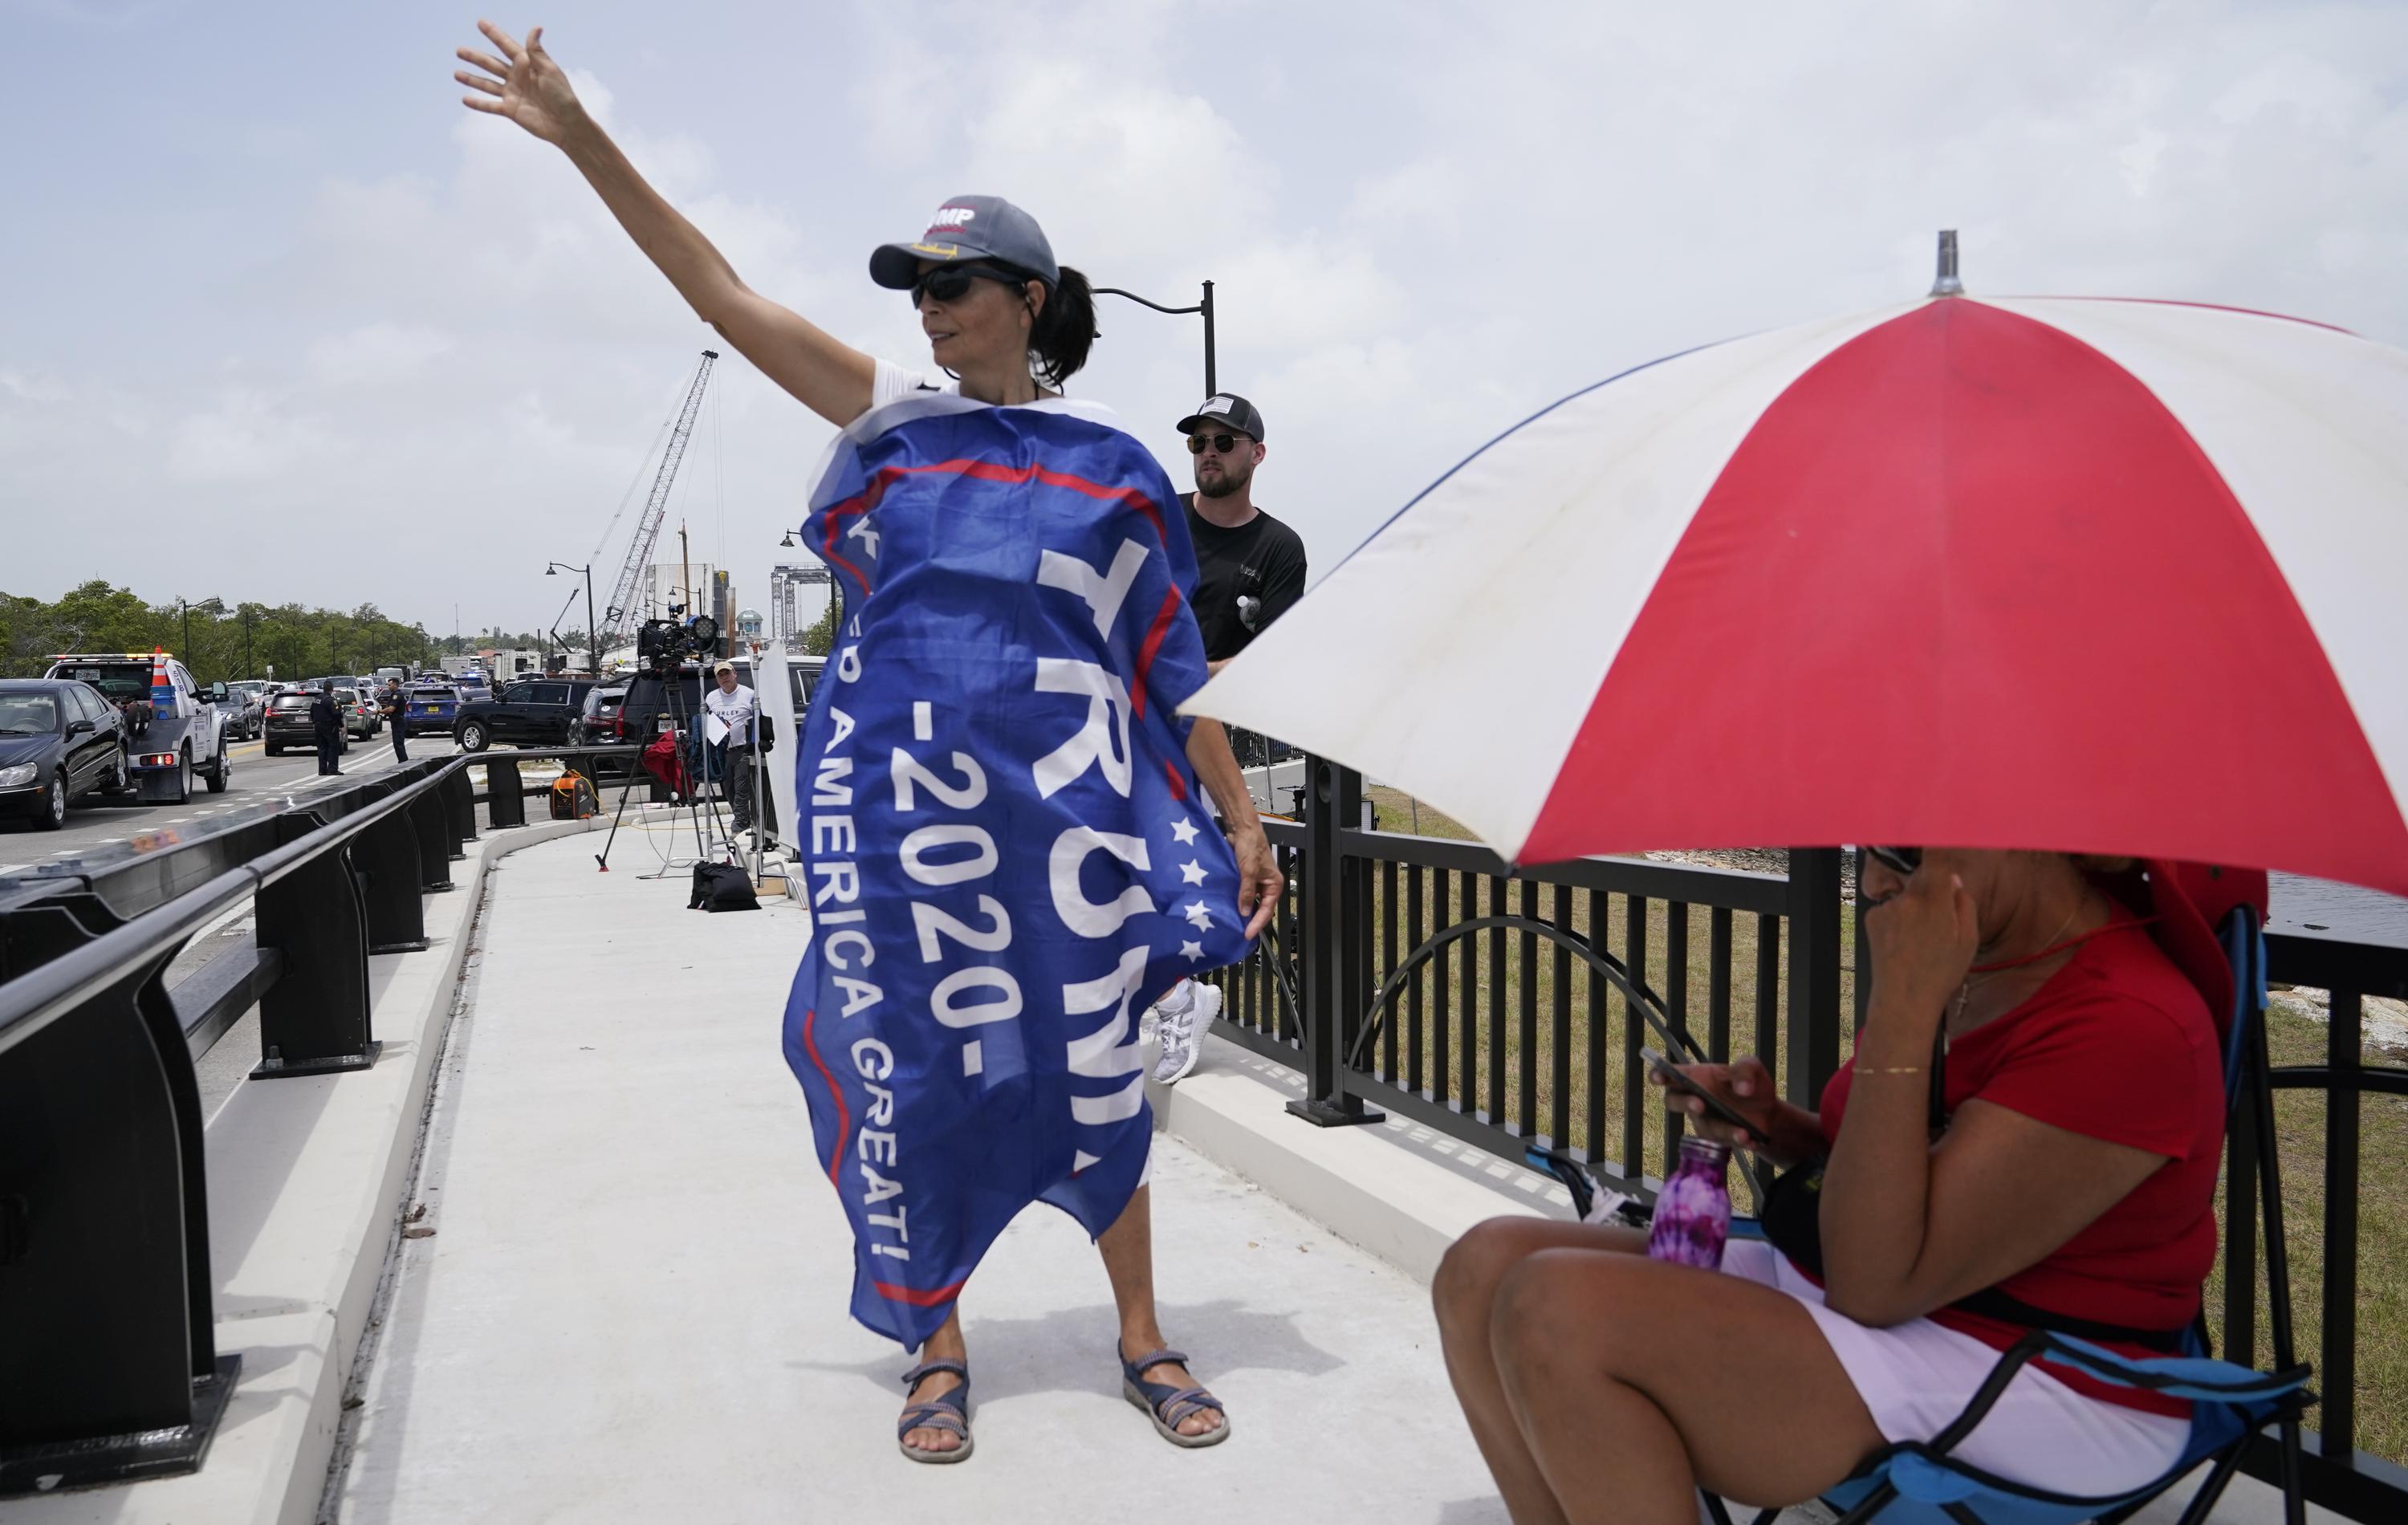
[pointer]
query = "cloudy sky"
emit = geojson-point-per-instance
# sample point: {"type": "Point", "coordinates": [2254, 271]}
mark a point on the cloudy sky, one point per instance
{"type": "Point", "coordinates": [282, 321]}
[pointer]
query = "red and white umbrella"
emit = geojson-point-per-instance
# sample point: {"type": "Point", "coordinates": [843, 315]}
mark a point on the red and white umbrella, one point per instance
{"type": "Point", "coordinates": [2042, 572]}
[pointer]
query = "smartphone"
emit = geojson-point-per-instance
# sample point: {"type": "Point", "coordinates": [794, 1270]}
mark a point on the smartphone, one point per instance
{"type": "Point", "coordinates": [1723, 1110]}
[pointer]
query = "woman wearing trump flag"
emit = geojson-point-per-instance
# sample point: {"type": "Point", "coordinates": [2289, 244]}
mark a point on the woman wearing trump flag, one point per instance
{"type": "Point", "coordinates": [1004, 836]}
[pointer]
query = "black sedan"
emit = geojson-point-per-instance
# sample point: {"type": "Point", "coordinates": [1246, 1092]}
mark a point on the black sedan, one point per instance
{"type": "Point", "coordinates": [59, 741]}
{"type": "Point", "coordinates": [542, 711]}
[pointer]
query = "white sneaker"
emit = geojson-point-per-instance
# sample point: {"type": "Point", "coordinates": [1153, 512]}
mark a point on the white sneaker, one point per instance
{"type": "Point", "coordinates": [1180, 1031]}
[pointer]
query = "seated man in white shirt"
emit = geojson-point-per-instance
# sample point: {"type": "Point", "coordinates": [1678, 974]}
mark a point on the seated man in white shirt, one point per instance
{"type": "Point", "coordinates": [733, 705]}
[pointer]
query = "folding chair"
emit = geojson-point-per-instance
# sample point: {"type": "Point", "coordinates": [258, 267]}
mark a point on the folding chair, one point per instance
{"type": "Point", "coordinates": [1923, 1483]}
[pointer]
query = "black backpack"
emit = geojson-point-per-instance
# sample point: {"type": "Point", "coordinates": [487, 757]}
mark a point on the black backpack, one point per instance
{"type": "Point", "coordinates": [721, 886]}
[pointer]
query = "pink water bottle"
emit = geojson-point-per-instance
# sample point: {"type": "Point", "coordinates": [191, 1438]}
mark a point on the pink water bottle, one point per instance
{"type": "Point", "coordinates": [1692, 1211]}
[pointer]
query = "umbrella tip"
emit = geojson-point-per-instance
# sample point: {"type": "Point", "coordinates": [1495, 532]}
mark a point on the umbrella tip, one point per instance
{"type": "Point", "coordinates": [1947, 283]}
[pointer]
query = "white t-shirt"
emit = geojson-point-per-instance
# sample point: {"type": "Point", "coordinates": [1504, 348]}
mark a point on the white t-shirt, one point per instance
{"type": "Point", "coordinates": [893, 383]}
{"type": "Point", "coordinates": [735, 711]}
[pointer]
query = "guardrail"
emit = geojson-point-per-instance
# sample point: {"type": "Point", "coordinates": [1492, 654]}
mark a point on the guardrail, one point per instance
{"type": "Point", "coordinates": [108, 1367]}
{"type": "Point", "coordinates": [1505, 1024]}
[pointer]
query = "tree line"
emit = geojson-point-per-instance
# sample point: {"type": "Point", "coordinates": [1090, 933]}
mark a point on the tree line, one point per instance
{"type": "Point", "coordinates": [217, 641]}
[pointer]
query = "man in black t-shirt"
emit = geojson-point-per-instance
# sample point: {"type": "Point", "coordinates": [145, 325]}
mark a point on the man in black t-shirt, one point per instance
{"type": "Point", "coordinates": [1250, 568]}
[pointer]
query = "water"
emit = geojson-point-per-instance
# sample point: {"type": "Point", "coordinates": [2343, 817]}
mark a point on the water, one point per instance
{"type": "Point", "coordinates": [2343, 910]}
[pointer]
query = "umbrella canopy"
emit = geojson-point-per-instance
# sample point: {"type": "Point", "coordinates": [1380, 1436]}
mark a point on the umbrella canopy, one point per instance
{"type": "Point", "coordinates": [2083, 575]}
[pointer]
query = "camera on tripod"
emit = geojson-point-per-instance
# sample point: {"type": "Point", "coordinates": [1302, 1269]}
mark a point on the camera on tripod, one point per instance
{"type": "Point", "coordinates": [662, 644]}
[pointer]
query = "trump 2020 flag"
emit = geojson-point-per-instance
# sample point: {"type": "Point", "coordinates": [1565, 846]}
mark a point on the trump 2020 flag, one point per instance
{"type": "Point", "coordinates": [1006, 853]}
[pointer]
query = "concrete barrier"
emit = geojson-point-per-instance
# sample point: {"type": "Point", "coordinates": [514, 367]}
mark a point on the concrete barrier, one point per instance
{"type": "Point", "coordinates": [305, 1178]}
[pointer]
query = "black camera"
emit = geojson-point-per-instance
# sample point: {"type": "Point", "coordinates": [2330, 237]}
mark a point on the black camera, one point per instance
{"type": "Point", "coordinates": [662, 644]}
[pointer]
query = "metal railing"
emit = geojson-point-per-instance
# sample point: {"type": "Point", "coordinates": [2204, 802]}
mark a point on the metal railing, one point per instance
{"type": "Point", "coordinates": [108, 1365]}
{"type": "Point", "coordinates": [1428, 978]}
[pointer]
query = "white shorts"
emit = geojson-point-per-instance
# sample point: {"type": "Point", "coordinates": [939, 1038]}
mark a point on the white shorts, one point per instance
{"type": "Point", "coordinates": [1916, 1377]}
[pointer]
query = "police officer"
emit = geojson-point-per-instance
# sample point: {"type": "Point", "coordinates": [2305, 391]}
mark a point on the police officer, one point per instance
{"type": "Point", "coordinates": [392, 703]}
{"type": "Point", "coordinates": [327, 724]}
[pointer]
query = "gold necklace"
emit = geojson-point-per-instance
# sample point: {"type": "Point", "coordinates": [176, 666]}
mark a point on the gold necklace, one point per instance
{"type": "Point", "coordinates": [1965, 990]}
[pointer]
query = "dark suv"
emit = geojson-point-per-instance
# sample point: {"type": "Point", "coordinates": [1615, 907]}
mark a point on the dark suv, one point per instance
{"type": "Point", "coordinates": [533, 712]}
{"type": "Point", "coordinates": [289, 723]}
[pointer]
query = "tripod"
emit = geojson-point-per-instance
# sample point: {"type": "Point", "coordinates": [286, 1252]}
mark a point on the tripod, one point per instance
{"type": "Point", "coordinates": [674, 703]}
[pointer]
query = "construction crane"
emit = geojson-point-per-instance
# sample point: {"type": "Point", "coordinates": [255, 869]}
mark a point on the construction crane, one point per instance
{"type": "Point", "coordinates": [617, 619]}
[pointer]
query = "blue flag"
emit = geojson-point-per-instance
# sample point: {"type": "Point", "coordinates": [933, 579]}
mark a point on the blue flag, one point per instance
{"type": "Point", "coordinates": [1006, 853]}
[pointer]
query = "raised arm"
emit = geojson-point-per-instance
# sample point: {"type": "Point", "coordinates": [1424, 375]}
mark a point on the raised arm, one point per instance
{"type": "Point", "coordinates": [524, 84]}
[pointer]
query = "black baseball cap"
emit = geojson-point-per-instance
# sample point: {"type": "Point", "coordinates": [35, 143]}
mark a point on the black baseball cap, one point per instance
{"type": "Point", "coordinates": [1228, 411]}
{"type": "Point", "coordinates": [969, 228]}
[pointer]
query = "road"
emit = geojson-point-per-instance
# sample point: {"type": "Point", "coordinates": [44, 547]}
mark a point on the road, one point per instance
{"type": "Point", "coordinates": [96, 821]}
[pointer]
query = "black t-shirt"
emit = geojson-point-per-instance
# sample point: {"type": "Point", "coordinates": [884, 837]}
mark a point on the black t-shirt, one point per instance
{"type": "Point", "coordinates": [1246, 578]}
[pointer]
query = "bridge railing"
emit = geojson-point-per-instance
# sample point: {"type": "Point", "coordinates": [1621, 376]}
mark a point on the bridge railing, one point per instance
{"type": "Point", "coordinates": [108, 1366]}
{"type": "Point", "coordinates": [1428, 978]}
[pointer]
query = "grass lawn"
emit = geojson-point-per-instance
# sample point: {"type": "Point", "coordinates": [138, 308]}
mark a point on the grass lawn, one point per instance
{"type": "Point", "coordinates": [1510, 971]}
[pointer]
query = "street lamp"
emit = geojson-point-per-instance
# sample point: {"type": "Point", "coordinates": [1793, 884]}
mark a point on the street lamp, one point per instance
{"type": "Point", "coordinates": [1212, 374]}
{"type": "Point", "coordinates": [593, 636]}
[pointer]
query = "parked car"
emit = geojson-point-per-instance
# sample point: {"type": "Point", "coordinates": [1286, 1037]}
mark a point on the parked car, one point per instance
{"type": "Point", "coordinates": [597, 725]}
{"type": "Point", "coordinates": [59, 741]}
{"type": "Point", "coordinates": [359, 712]}
{"type": "Point", "coordinates": [289, 723]}
{"type": "Point", "coordinates": [252, 717]}
{"type": "Point", "coordinates": [802, 675]}
{"type": "Point", "coordinates": [432, 707]}
{"type": "Point", "coordinates": [369, 687]}
{"type": "Point", "coordinates": [543, 711]}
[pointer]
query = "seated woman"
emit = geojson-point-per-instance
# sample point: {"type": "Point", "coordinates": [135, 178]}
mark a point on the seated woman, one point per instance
{"type": "Point", "coordinates": [2068, 1183]}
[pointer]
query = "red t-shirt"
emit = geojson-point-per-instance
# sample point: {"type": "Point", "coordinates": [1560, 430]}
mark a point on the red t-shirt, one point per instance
{"type": "Point", "coordinates": [2117, 1046]}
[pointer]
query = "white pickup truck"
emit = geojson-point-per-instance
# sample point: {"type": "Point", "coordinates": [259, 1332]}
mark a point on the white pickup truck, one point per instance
{"type": "Point", "coordinates": [174, 727]}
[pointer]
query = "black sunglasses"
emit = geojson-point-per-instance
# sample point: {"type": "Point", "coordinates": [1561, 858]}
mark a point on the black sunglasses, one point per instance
{"type": "Point", "coordinates": [1904, 859]}
{"type": "Point", "coordinates": [1222, 442]}
{"type": "Point", "coordinates": [952, 282]}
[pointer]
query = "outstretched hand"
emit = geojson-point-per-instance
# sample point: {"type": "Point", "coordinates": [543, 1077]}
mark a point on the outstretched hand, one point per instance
{"type": "Point", "coordinates": [523, 84]}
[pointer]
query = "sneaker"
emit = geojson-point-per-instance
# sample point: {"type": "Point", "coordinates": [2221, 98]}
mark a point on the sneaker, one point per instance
{"type": "Point", "coordinates": [1181, 1034]}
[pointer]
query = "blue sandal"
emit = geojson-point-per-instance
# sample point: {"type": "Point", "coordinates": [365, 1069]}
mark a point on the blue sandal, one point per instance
{"type": "Point", "coordinates": [1167, 1404]}
{"type": "Point", "coordinates": [949, 1412]}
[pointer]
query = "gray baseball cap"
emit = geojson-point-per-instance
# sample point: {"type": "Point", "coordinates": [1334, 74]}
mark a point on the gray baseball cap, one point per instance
{"type": "Point", "coordinates": [1228, 411]}
{"type": "Point", "coordinates": [969, 228]}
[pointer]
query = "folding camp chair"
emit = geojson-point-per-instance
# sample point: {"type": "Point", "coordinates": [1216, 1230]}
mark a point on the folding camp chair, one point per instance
{"type": "Point", "coordinates": [1923, 1483]}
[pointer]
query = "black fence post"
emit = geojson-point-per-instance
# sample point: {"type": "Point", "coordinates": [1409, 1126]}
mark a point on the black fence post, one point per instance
{"type": "Point", "coordinates": [430, 821]}
{"type": "Point", "coordinates": [392, 884]}
{"type": "Point", "coordinates": [1811, 1044]}
{"type": "Point", "coordinates": [109, 1370]}
{"type": "Point", "coordinates": [460, 808]}
{"type": "Point", "coordinates": [505, 805]}
{"type": "Point", "coordinates": [1333, 801]}
{"type": "Point", "coordinates": [314, 1019]}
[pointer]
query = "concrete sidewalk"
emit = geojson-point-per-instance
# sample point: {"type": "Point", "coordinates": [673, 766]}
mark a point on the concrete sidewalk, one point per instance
{"type": "Point", "coordinates": [632, 1306]}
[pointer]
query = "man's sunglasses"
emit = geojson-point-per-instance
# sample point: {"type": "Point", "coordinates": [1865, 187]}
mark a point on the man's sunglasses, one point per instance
{"type": "Point", "coordinates": [1224, 443]}
{"type": "Point", "coordinates": [1904, 859]}
{"type": "Point", "coordinates": [952, 282]}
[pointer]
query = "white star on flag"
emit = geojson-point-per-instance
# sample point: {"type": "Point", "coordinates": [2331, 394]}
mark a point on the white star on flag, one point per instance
{"type": "Point", "coordinates": [1190, 951]}
{"type": "Point", "coordinates": [1192, 871]}
{"type": "Point", "coordinates": [1198, 916]}
{"type": "Point", "coordinates": [1184, 830]}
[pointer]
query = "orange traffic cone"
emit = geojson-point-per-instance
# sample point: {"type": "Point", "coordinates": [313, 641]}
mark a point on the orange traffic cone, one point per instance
{"type": "Point", "coordinates": [162, 689]}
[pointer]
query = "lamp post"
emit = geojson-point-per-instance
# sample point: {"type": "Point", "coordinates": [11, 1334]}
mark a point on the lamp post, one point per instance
{"type": "Point", "coordinates": [593, 636]}
{"type": "Point", "coordinates": [1212, 373]}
